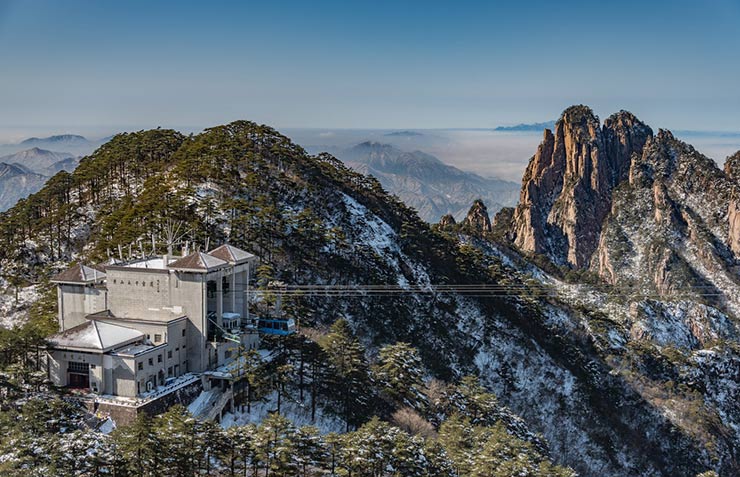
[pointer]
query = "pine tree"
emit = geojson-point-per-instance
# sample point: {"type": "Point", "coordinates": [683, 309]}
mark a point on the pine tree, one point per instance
{"type": "Point", "coordinates": [400, 373]}
{"type": "Point", "coordinates": [457, 437]}
{"type": "Point", "coordinates": [251, 375]}
{"type": "Point", "coordinates": [276, 446]}
{"type": "Point", "coordinates": [138, 445]}
{"type": "Point", "coordinates": [348, 371]}
{"type": "Point", "coordinates": [246, 444]}
{"type": "Point", "coordinates": [472, 400]}
{"type": "Point", "coordinates": [310, 450]}
{"type": "Point", "coordinates": [229, 452]}
{"type": "Point", "coordinates": [210, 439]}
{"type": "Point", "coordinates": [177, 434]}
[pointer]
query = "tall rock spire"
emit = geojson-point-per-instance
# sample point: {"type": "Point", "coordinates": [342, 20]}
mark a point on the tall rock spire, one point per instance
{"type": "Point", "coordinates": [478, 221]}
{"type": "Point", "coordinates": [566, 189]}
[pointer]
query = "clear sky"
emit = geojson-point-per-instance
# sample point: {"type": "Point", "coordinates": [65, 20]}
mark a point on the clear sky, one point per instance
{"type": "Point", "coordinates": [104, 65]}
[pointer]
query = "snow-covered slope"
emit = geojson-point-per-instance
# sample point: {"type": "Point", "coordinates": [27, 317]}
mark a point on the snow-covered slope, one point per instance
{"type": "Point", "coordinates": [314, 221]}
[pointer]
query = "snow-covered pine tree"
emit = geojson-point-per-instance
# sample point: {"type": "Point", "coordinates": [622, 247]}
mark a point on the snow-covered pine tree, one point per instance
{"type": "Point", "coordinates": [276, 445]}
{"type": "Point", "coordinates": [311, 453]}
{"type": "Point", "coordinates": [457, 437]}
{"type": "Point", "coordinates": [400, 374]}
{"type": "Point", "coordinates": [348, 376]}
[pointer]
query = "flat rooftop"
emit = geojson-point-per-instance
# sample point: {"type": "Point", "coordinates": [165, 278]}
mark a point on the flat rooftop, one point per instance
{"type": "Point", "coordinates": [135, 349]}
{"type": "Point", "coordinates": [156, 263]}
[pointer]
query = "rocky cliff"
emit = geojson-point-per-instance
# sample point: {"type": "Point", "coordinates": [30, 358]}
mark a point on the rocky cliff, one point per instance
{"type": "Point", "coordinates": [732, 171]}
{"type": "Point", "coordinates": [644, 232]}
{"type": "Point", "coordinates": [566, 189]}
{"type": "Point", "coordinates": [477, 221]}
{"type": "Point", "coordinates": [606, 404]}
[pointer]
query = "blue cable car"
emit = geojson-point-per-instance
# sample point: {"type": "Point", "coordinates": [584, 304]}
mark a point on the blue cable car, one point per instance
{"type": "Point", "coordinates": [274, 326]}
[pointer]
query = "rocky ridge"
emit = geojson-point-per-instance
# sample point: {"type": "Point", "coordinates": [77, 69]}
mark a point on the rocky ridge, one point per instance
{"type": "Point", "coordinates": [566, 188]}
{"type": "Point", "coordinates": [558, 364]}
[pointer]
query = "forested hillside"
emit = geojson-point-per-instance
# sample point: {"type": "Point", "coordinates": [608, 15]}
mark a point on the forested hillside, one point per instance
{"type": "Point", "coordinates": [314, 221]}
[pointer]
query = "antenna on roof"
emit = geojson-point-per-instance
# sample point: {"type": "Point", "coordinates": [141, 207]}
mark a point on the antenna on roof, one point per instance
{"type": "Point", "coordinates": [173, 234]}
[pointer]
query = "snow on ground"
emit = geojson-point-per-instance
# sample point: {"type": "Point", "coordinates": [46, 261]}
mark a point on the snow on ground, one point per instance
{"type": "Point", "coordinates": [375, 232]}
{"type": "Point", "coordinates": [16, 313]}
{"type": "Point", "coordinates": [107, 426]}
{"type": "Point", "coordinates": [203, 402]}
{"type": "Point", "coordinates": [298, 413]}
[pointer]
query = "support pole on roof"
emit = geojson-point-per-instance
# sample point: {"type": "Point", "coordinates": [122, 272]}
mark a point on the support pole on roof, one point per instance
{"type": "Point", "coordinates": [220, 300]}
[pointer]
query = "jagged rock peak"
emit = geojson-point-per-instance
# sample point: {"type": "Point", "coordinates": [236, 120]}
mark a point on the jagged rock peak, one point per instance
{"type": "Point", "coordinates": [566, 189]}
{"type": "Point", "coordinates": [579, 114]}
{"type": "Point", "coordinates": [447, 220]}
{"type": "Point", "coordinates": [732, 171]}
{"type": "Point", "coordinates": [732, 167]}
{"type": "Point", "coordinates": [733, 218]}
{"type": "Point", "coordinates": [478, 221]}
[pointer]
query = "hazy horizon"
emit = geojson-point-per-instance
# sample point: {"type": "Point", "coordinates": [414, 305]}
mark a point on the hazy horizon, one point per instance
{"type": "Point", "coordinates": [503, 155]}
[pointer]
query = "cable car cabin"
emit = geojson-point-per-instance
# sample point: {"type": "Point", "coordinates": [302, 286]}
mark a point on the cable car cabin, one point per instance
{"type": "Point", "coordinates": [272, 326]}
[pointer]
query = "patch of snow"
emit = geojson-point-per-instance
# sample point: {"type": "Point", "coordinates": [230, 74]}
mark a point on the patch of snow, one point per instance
{"type": "Point", "coordinates": [298, 413]}
{"type": "Point", "coordinates": [107, 426]}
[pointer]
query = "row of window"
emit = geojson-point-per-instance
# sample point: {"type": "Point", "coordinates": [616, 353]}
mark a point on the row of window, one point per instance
{"type": "Point", "coordinates": [140, 365]}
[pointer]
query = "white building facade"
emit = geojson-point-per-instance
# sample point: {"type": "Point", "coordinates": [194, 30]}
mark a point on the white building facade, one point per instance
{"type": "Point", "coordinates": [130, 329]}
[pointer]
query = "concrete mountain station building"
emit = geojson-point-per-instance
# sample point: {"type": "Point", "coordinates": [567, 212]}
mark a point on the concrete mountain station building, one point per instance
{"type": "Point", "coordinates": [146, 328]}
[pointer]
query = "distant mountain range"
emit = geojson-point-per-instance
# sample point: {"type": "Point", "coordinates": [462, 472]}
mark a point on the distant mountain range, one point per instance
{"type": "Point", "coordinates": [424, 182]}
{"type": "Point", "coordinates": [72, 143]}
{"type": "Point", "coordinates": [534, 127]}
{"type": "Point", "coordinates": [403, 134]}
{"type": "Point", "coordinates": [25, 172]}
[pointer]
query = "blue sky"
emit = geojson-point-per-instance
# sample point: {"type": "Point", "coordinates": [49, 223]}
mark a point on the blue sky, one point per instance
{"type": "Point", "coordinates": [104, 65]}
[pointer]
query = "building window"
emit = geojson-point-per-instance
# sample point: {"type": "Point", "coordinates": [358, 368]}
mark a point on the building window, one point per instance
{"type": "Point", "coordinates": [148, 337]}
{"type": "Point", "coordinates": [141, 365]}
{"type": "Point", "coordinates": [157, 338]}
{"type": "Point", "coordinates": [77, 367]}
{"type": "Point", "coordinates": [169, 372]}
{"type": "Point", "coordinates": [151, 361]}
{"type": "Point", "coordinates": [169, 354]}
{"type": "Point", "coordinates": [183, 331]}
{"type": "Point", "coordinates": [92, 366]}
{"type": "Point", "coordinates": [159, 358]}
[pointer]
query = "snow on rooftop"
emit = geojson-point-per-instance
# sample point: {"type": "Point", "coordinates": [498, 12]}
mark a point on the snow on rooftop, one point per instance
{"type": "Point", "coordinates": [156, 263]}
{"type": "Point", "coordinates": [135, 349]}
{"type": "Point", "coordinates": [95, 335]}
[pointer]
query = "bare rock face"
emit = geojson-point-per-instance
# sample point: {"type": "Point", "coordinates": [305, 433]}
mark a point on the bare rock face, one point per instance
{"type": "Point", "coordinates": [674, 226]}
{"type": "Point", "coordinates": [478, 222]}
{"type": "Point", "coordinates": [566, 189]}
{"type": "Point", "coordinates": [732, 171]}
{"type": "Point", "coordinates": [732, 167]}
{"type": "Point", "coordinates": [734, 222]}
